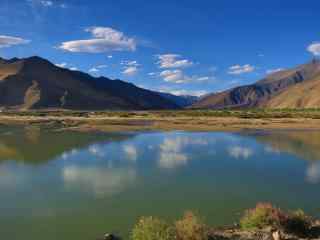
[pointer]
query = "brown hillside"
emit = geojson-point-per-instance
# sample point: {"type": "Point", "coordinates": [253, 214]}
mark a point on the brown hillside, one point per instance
{"type": "Point", "coordinates": [261, 93]}
{"type": "Point", "coordinates": [35, 83]}
{"type": "Point", "coordinates": [302, 95]}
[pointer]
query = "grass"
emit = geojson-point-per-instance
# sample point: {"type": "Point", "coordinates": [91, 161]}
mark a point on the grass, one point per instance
{"type": "Point", "coordinates": [246, 113]}
{"type": "Point", "coordinates": [192, 227]}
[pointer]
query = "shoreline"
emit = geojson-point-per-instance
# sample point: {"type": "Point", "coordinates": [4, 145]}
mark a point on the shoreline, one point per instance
{"type": "Point", "coordinates": [105, 123]}
{"type": "Point", "coordinates": [265, 221]}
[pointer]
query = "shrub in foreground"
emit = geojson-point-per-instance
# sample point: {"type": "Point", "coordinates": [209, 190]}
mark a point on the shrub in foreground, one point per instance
{"type": "Point", "coordinates": [191, 227]}
{"type": "Point", "coordinates": [298, 223]}
{"type": "Point", "coordinates": [150, 228]}
{"type": "Point", "coordinates": [263, 215]}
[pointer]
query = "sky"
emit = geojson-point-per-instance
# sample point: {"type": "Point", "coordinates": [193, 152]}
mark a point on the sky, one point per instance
{"type": "Point", "coordinates": [182, 47]}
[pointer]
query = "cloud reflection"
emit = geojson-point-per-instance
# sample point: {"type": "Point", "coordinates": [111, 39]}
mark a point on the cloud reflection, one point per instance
{"type": "Point", "coordinates": [101, 182]}
{"type": "Point", "coordinates": [313, 173]}
{"type": "Point", "coordinates": [131, 152]}
{"type": "Point", "coordinates": [172, 151]}
{"type": "Point", "coordinates": [240, 152]}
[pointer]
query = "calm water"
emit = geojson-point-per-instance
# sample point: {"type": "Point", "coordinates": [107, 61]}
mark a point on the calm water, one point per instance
{"type": "Point", "coordinates": [78, 186]}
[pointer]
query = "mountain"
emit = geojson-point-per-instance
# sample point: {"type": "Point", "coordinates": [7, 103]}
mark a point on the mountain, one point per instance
{"type": "Point", "coordinates": [293, 88]}
{"type": "Point", "coordinates": [181, 100]}
{"type": "Point", "coordinates": [35, 83]}
{"type": "Point", "coordinates": [302, 95]}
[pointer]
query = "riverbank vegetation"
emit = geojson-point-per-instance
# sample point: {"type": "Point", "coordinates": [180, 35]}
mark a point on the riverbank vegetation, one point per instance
{"type": "Point", "coordinates": [189, 120]}
{"type": "Point", "coordinates": [262, 222]}
{"type": "Point", "coordinates": [243, 113]}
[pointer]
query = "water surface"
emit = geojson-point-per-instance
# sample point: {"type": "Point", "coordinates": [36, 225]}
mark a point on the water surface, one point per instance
{"type": "Point", "coordinates": [77, 186]}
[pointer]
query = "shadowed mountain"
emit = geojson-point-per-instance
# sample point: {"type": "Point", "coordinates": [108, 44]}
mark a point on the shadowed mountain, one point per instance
{"type": "Point", "coordinates": [35, 83]}
{"type": "Point", "coordinates": [297, 87]}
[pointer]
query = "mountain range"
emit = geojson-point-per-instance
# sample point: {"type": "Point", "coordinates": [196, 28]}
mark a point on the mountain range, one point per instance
{"type": "Point", "coordinates": [36, 83]}
{"type": "Point", "coordinates": [298, 87]}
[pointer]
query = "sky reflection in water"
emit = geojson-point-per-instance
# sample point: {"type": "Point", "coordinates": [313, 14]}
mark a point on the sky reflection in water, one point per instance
{"type": "Point", "coordinates": [106, 181]}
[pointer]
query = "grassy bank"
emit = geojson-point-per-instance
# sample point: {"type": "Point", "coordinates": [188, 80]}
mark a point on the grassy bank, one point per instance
{"type": "Point", "coordinates": [246, 113]}
{"type": "Point", "coordinates": [190, 120]}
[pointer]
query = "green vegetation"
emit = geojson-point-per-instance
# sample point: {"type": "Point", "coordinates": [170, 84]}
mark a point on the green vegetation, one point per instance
{"type": "Point", "coordinates": [298, 222]}
{"type": "Point", "coordinates": [265, 215]}
{"type": "Point", "coordinates": [245, 113]}
{"type": "Point", "coordinates": [191, 226]}
{"type": "Point", "coordinates": [149, 228]}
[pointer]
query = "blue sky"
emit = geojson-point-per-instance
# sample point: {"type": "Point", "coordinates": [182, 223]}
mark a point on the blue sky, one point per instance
{"type": "Point", "coordinates": [181, 47]}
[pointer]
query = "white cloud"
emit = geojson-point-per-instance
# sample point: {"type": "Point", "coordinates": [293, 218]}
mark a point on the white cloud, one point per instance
{"type": "Point", "coordinates": [183, 92]}
{"type": "Point", "coordinates": [131, 67]}
{"type": "Point", "coordinates": [240, 152]}
{"type": "Point", "coordinates": [46, 3]}
{"type": "Point", "coordinates": [173, 61]}
{"type": "Point", "coordinates": [66, 65]}
{"type": "Point", "coordinates": [174, 76]}
{"type": "Point", "coordinates": [238, 69]}
{"type": "Point", "coordinates": [62, 65]}
{"type": "Point", "coordinates": [271, 71]}
{"type": "Point", "coordinates": [152, 74]}
{"type": "Point", "coordinates": [94, 70]}
{"type": "Point", "coordinates": [8, 41]}
{"type": "Point", "coordinates": [104, 39]}
{"type": "Point", "coordinates": [178, 76]}
{"type": "Point", "coordinates": [109, 56]}
{"type": "Point", "coordinates": [131, 152]}
{"type": "Point", "coordinates": [130, 71]}
{"type": "Point", "coordinates": [314, 49]}
{"type": "Point", "coordinates": [203, 79]}
{"type": "Point", "coordinates": [101, 66]}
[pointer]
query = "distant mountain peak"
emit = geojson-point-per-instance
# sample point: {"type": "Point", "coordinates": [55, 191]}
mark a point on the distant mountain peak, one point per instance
{"type": "Point", "coordinates": [36, 83]}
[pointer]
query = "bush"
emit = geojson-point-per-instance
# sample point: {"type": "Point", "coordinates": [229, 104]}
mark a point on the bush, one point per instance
{"type": "Point", "coordinates": [191, 227]}
{"type": "Point", "coordinates": [298, 223]}
{"type": "Point", "coordinates": [263, 215]}
{"type": "Point", "coordinates": [149, 228]}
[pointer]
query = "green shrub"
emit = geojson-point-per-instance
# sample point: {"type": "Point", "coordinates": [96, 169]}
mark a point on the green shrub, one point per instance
{"type": "Point", "coordinates": [298, 223]}
{"type": "Point", "coordinates": [149, 228]}
{"type": "Point", "coordinates": [263, 215]}
{"type": "Point", "coordinates": [191, 227]}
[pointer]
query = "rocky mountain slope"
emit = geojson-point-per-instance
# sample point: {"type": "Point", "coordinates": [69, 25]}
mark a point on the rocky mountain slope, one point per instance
{"type": "Point", "coordinates": [35, 83]}
{"type": "Point", "coordinates": [293, 88]}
